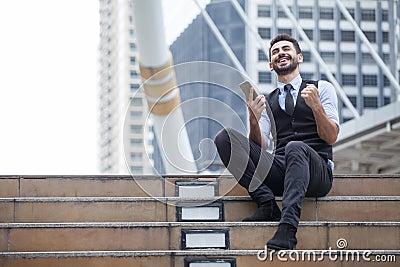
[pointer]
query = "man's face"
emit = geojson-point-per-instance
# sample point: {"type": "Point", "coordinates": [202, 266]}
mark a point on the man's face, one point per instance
{"type": "Point", "coordinates": [284, 58]}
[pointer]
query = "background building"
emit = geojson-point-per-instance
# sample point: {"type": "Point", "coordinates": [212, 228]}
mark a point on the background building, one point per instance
{"type": "Point", "coordinates": [121, 104]}
{"type": "Point", "coordinates": [336, 41]}
{"type": "Point", "coordinates": [198, 43]}
{"type": "Point", "coordinates": [346, 56]}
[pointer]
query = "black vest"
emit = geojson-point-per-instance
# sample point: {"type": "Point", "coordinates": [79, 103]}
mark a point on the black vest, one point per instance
{"type": "Point", "coordinates": [301, 126]}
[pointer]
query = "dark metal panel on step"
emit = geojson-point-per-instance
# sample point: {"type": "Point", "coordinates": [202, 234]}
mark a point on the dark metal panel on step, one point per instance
{"type": "Point", "coordinates": [209, 262]}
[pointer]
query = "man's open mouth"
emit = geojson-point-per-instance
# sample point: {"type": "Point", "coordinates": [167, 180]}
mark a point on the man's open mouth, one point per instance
{"type": "Point", "coordinates": [283, 59]}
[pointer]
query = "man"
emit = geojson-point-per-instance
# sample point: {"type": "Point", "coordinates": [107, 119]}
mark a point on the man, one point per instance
{"type": "Point", "coordinates": [306, 120]}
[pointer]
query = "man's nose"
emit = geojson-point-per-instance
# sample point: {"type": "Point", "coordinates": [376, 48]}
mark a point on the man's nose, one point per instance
{"type": "Point", "coordinates": [280, 52]}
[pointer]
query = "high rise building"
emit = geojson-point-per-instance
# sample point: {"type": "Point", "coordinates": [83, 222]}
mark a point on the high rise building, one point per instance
{"type": "Point", "coordinates": [123, 111]}
{"type": "Point", "coordinates": [198, 43]}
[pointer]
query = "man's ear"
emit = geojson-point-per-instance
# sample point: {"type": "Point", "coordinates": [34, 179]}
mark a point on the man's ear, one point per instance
{"type": "Point", "coordinates": [270, 66]}
{"type": "Point", "coordinates": [300, 57]}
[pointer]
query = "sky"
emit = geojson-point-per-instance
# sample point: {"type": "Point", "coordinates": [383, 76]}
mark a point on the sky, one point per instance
{"type": "Point", "coordinates": [49, 83]}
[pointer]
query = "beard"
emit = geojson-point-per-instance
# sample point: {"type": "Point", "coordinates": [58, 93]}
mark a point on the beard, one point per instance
{"type": "Point", "coordinates": [288, 68]}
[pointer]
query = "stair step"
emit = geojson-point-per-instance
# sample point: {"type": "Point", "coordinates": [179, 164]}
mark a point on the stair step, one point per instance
{"type": "Point", "coordinates": [171, 209]}
{"type": "Point", "coordinates": [163, 236]}
{"type": "Point", "coordinates": [175, 258]}
{"type": "Point", "coordinates": [143, 186]}
{"type": "Point", "coordinates": [116, 220]}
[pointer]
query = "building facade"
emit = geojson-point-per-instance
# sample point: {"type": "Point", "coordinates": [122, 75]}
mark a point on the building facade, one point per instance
{"type": "Point", "coordinates": [198, 43]}
{"type": "Point", "coordinates": [122, 109]}
{"type": "Point", "coordinates": [340, 47]}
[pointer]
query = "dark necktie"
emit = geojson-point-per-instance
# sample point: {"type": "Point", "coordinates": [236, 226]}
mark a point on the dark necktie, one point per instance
{"type": "Point", "coordinates": [289, 104]}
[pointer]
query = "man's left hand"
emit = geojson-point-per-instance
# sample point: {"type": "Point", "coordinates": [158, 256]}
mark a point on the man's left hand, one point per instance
{"type": "Point", "coordinates": [311, 96]}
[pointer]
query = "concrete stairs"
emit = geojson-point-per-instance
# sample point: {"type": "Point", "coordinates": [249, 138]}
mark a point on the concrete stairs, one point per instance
{"type": "Point", "coordinates": [189, 221]}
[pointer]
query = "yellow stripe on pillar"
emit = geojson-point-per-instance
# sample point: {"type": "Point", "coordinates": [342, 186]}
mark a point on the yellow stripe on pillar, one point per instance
{"type": "Point", "coordinates": [160, 88]}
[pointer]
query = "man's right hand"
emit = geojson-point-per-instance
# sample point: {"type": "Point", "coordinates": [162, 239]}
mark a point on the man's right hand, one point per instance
{"type": "Point", "coordinates": [255, 106]}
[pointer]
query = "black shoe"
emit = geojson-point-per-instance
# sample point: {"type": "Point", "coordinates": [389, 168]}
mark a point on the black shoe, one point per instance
{"type": "Point", "coordinates": [268, 212]}
{"type": "Point", "coordinates": [284, 238]}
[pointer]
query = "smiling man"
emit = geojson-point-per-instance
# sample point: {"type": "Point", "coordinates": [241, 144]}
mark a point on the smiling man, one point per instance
{"type": "Point", "coordinates": [306, 120]}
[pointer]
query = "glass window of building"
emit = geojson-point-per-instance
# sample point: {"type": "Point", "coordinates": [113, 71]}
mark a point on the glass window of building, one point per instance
{"type": "Point", "coordinates": [370, 102]}
{"type": "Point", "coordinates": [325, 77]}
{"type": "Point", "coordinates": [307, 75]}
{"type": "Point", "coordinates": [371, 36]}
{"type": "Point", "coordinates": [305, 12]}
{"type": "Point", "coordinates": [133, 47]}
{"type": "Point", "coordinates": [367, 58]}
{"type": "Point", "coordinates": [136, 156]}
{"type": "Point", "coordinates": [326, 13]}
{"type": "Point", "coordinates": [310, 34]}
{"type": "Point", "coordinates": [306, 56]}
{"type": "Point", "coordinates": [136, 129]}
{"type": "Point", "coordinates": [386, 81]}
{"type": "Point", "coordinates": [348, 36]}
{"type": "Point", "coordinates": [368, 14]}
{"type": "Point", "coordinates": [223, 14]}
{"type": "Point", "coordinates": [265, 33]}
{"type": "Point", "coordinates": [348, 57]}
{"type": "Point", "coordinates": [385, 15]}
{"type": "Point", "coordinates": [136, 102]}
{"type": "Point", "coordinates": [264, 77]}
{"type": "Point", "coordinates": [236, 33]}
{"type": "Point", "coordinates": [327, 35]}
{"type": "Point", "coordinates": [328, 57]}
{"type": "Point", "coordinates": [232, 14]}
{"type": "Point", "coordinates": [285, 30]}
{"type": "Point", "coordinates": [353, 100]}
{"type": "Point", "coordinates": [385, 37]}
{"type": "Point", "coordinates": [386, 58]}
{"type": "Point", "coordinates": [261, 55]}
{"type": "Point", "coordinates": [134, 74]}
{"type": "Point", "coordinates": [135, 141]}
{"type": "Point", "coordinates": [136, 115]}
{"type": "Point", "coordinates": [133, 60]}
{"type": "Point", "coordinates": [134, 87]}
{"type": "Point", "coordinates": [281, 13]}
{"type": "Point", "coordinates": [349, 79]}
{"type": "Point", "coordinates": [264, 11]}
{"type": "Point", "coordinates": [370, 80]}
{"type": "Point", "coordinates": [351, 11]}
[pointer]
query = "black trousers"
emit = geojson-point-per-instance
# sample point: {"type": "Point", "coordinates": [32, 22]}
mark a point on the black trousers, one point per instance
{"type": "Point", "coordinates": [293, 173]}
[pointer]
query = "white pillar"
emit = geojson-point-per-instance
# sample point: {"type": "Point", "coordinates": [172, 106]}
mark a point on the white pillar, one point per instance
{"type": "Point", "coordinates": [162, 93]}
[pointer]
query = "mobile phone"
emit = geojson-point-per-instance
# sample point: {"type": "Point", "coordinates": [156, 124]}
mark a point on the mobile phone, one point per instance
{"type": "Point", "coordinates": [245, 86]}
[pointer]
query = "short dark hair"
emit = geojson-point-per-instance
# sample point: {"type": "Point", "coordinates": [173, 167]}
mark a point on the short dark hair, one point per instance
{"type": "Point", "coordinates": [284, 37]}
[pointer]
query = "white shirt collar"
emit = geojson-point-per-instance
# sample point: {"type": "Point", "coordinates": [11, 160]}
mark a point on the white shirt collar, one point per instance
{"type": "Point", "coordinates": [296, 83]}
